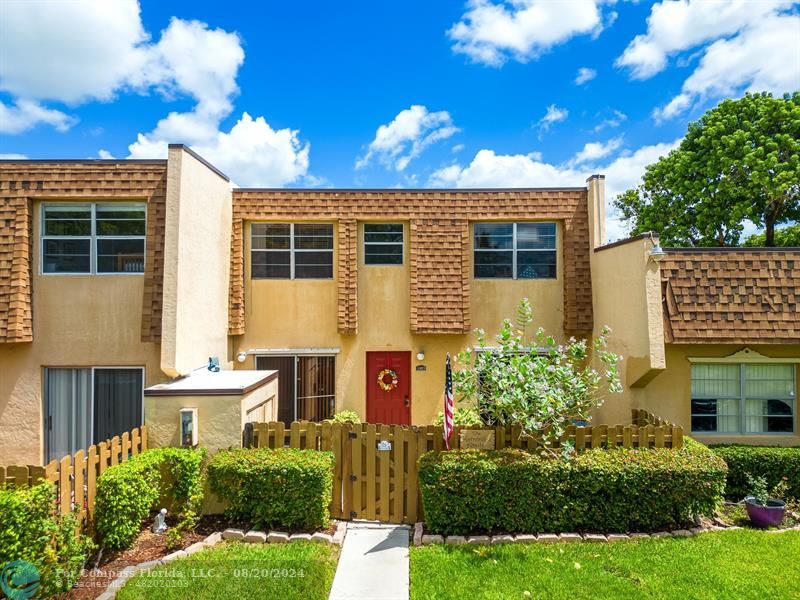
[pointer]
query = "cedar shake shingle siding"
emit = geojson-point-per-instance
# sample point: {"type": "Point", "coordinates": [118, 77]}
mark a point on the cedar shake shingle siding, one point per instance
{"type": "Point", "coordinates": [22, 182]}
{"type": "Point", "coordinates": [731, 295]}
{"type": "Point", "coordinates": [439, 245]}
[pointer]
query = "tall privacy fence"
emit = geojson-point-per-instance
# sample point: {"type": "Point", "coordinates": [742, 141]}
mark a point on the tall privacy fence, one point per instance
{"type": "Point", "coordinates": [75, 476]}
{"type": "Point", "coordinates": [375, 470]}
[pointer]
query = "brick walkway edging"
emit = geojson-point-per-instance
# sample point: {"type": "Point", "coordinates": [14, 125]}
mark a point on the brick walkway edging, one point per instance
{"type": "Point", "coordinates": [423, 539]}
{"type": "Point", "coordinates": [253, 537]}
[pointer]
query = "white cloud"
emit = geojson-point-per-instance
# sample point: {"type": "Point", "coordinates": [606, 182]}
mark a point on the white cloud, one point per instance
{"type": "Point", "coordinates": [29, 113]}
{"type": "Point", "coordinates": [615, 120]}
{"type": "Point", "coordinates": [677, 25]}
{"type": "Point", "coordinates": [398, 142]}
{"type": "Point", "coordinates": [554, 114]}
{"type": "Point", "coordinates": [489, 169]}
{"type": "Point", "coordinates": [585, 75]}
{"type": "Point", "coordinates": [12, 156]}
{"type": "Point", "coordinates": [105, 154]}
{"type": "Point", "coordinates": [492, 32]}
{"type": "Point", "coordinates": [596, 150]}
{"type": "Point", "coordinates": [743, 46]}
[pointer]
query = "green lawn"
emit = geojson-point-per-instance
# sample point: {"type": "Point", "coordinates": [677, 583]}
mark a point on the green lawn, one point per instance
{"type": "Point", "coordinates": [299, 570]}
{"type": "Point", "coordinates": [731, 564]}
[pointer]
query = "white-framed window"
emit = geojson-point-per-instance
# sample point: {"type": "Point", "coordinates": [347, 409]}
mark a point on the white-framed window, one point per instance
{"type": "Point", "coordinates": [515, 251]}
{"type": "Point", "coordinates": [93, 238]}
{"type": "Point", "coordinates": [383, 243]}
{"type": "Point", "coordinates": [745, 398]}
{"type": "Point", "coordinates": [291, 251]}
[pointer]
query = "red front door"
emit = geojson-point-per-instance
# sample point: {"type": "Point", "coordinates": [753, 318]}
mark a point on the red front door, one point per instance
{"type": "Point", "coordinates": [389, 388]}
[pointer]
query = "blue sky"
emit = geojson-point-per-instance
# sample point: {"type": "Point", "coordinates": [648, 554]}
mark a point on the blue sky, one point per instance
{"type": "Point", "coordinates": [376, 94]}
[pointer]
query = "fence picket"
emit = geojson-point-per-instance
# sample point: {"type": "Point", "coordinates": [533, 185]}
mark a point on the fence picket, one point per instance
{"type": "Point", "coordinates": [384, 475]}
{"type": "Point", "coordinates": [371, 451]}
{"type": "Point", "coordinates": [399, 484]}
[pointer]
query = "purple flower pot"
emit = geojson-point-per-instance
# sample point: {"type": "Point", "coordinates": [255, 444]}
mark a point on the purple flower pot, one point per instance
{"type": "Point", "coordinates": [765, 516]}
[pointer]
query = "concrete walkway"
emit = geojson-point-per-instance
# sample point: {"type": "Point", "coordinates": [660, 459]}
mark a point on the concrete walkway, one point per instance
{"type": "Point", "coordinates": [373, 564]}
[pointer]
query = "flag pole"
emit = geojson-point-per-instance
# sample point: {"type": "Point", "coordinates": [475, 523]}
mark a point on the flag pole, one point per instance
{"type": "Point", "coordinates": [447, 425]}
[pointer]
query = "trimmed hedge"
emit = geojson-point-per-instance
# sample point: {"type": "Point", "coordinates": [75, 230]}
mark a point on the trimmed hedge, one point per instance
{"type": "Point", "coordinates": [285, 488]}
{"type": "Point", "coordinates": [126, 493]}
{"type": "Point", "coordinates": [616, 490]}
{"type": "Point", "coordinates": [30, 531]}
{"type": "Point", "coordinates": [771, 463]}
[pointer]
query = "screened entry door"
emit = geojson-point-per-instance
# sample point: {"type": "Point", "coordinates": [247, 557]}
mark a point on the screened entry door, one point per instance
{"type": "Point", "coordinates": [306, 386]}
{"type": "Point", "coordinates": [86, 406]}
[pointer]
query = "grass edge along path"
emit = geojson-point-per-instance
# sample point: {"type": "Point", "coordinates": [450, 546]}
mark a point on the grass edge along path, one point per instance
{"type": "Point", "coordinates": [729, 564]}
{"type": "Point", "coordinates": [299, 570]}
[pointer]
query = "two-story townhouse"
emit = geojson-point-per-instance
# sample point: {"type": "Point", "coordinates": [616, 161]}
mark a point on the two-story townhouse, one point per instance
{"type": "Point", "coordinates": [117, 276]}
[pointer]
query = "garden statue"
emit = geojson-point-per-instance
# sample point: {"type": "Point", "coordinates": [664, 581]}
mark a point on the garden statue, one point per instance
{"type": "Point", "coordinates": [159, 524]}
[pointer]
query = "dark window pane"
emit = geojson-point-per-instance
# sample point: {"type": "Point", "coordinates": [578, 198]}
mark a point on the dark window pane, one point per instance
{"type": "Point", "coordinates": [67, 220]}
{"type": "Point", "coordinates": [275, 242]}
{"type": "Point", "coordinates": [494, 236]}
{"type": "Point", "coordinates": [66, 256]}
{"type": "Point", "coordinates": [494, 264]}
{"type": "Point", "coordinates": [313, 229]}
{"type": "Point", "coordinates": [704, 407]}
{"type": "Point", "coordinates": [536, 264]}
{"type": "Point", "coordinates": [312, 243]}
{"type": "Point", "coordinates": [270, 229]}
{"type": "Point", "coordinates": [779, 424]}
{"type": "Point", "coordinates": [536, 235]}
{"type": "Point", "coordinates": [120, 256]}
{"type": "Point", "coordinates": [387, 233]}
{"type": "Point", "coordinates": [271, 258]}
{"type": "Point", "coordinates": [120, 220]}
{"type": "Point", "coordinates": [778, 407]}
{"type": "Point", "coordinates": [704, 423]}
{"type": "Point", "coordinates": [270, 271]}
{"type": "Point", "coordinates": [313, 258]}
{"type": "Point", "coordinates": [383, 259]}
{"type": "Point", "coordinates": [313, 271]}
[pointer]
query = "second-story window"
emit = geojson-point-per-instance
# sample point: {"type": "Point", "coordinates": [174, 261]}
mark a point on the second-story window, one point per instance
{"type": "Point", "coordinates": [291, 251]}
{"type": "Point", "coordinates": [93, 238]}
{"type": "Point", "coordinates": [383, 243]}
{"type": "Point", "coordinates": [515, 251]}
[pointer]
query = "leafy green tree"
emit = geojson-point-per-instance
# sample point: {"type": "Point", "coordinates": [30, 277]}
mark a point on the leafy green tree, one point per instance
{"type": "Point", "coordinates": [740, 161]}
{"type": "Point", "coordinates": [533, 382]}
{"type": "Point", "coordinates": [786, 237]}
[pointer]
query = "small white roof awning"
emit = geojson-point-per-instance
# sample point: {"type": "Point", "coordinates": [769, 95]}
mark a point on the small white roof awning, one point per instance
{"type": "Point", "coordinates": [208, 383]}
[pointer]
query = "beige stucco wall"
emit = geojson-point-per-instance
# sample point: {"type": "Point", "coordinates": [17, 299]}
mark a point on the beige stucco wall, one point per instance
{"type": "Point", "coordinates": [220, 418]}
{"type": "Point", "coordinates": [303, 314]}
{"type": "Point", "coordinates": [196, 264]}
{"type": "Point", "coordinates": [626, 289]}
{"type": "Point", "coordinates": [79, 321]}
{"type": "Point", "coordinates": [669, 394]}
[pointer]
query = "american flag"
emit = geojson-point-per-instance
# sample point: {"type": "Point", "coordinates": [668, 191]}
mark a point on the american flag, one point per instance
{"type": "Point", "coordinates": [448, 403]}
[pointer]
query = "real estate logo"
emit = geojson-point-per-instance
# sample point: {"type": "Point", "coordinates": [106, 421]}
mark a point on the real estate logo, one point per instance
{"type": "Point", "coordinates": [19, 580]}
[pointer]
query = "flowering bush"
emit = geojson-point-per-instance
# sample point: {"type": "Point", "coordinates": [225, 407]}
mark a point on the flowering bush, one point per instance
{"type": "Point", "coordinates": [535, 383]}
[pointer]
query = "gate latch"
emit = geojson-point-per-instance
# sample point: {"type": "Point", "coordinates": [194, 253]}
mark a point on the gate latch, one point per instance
{"type": "Point", "coordinates": [352, 435]}
{"type": "Point", "coordinates": [353, 478]}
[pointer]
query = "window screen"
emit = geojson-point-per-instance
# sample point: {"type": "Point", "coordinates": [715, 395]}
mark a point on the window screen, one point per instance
{"type": "Point", "coordinates": [383, 244]}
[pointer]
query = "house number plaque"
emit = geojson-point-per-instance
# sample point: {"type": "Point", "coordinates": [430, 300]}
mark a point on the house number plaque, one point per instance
{"type": "Point", "coordinates": [384, 446]}
{"type": "Point", "coordinates": [477, 439]}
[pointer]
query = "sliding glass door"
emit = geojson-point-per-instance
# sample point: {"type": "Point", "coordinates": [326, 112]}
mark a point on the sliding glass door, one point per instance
{"type": "Point", "coordinates": [307, 386]}
{"type": "Point", "coordinates": [89, 405]}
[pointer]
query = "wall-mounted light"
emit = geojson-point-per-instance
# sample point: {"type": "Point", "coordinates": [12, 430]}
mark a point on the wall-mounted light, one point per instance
{"type": "Point", "coordinates": [421, 355]}
{"type": "Point", "coordinates": [189, 427]}
{"type": "Point", "coordinates": [657, 253]}
{"type": "Point", "coordinates": [241, 357]}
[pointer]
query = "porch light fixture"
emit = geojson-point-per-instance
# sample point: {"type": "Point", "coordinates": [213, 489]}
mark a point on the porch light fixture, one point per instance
{"type": "Point", "coordinates": [657, 253]}
{"type": "Point", "coordinates": [420, 355]}
{"type": "Point", "coordinates": [241, 357]}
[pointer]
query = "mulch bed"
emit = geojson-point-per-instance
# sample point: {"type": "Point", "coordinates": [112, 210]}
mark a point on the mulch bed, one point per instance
{"type": "Point", "coordinates": [105, 566]}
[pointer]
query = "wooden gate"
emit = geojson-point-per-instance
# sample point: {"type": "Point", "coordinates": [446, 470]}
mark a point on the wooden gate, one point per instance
{"type": "Point", "coordinates": [375, 468]}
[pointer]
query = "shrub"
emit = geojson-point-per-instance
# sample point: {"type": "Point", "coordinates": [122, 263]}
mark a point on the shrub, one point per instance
{"type": "Point", "coordinates": [771, 463]}
{"type": "Point", "coordinates": [465, 417]}
{"type": "Point", "coordinates": [614, 490]}
{"type": "Point", "coordinates": [274, 488]}
{"type": "Point", "coordinates": [533, 382]}
{"type": "Point", "coordinates": [30, 531]}
{"type": "Point", "coordinates": [127, 492]}
{"type": "Point", "coordinates": [345, 416]}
